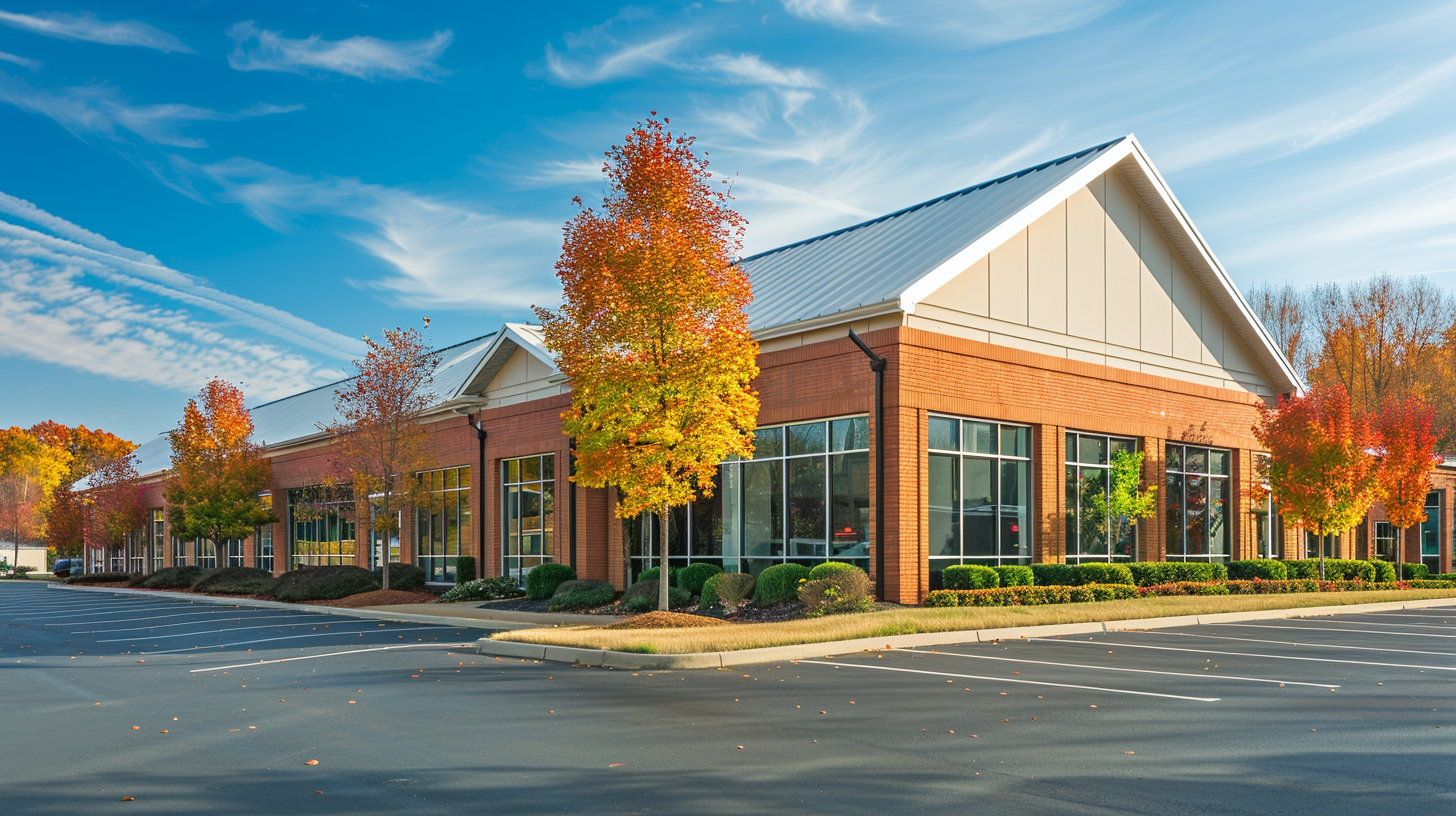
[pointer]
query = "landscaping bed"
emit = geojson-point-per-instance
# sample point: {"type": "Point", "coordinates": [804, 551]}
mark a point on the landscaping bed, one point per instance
{"type": "Point", "coordinates": [378, 597]}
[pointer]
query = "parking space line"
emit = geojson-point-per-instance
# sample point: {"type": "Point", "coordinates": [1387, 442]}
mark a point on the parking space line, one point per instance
{"type": "Point", "coordinates": [203, 611]}
{"type": "Point", "coordinates": [293, 637]}
{"type": "Point", "coordinates": [1375, 623]}
{"type": "Point", "coordinates": [1308, 629]}
{"type": "Point", "coordinates": [62, 606]}
{"type": "Point", "coordinates": [1203, 675]}
{"type": "Point", "coordinates": [92, 608]}
{"type": "Point", "coordinates": [1298, 643]}
{"type": "Point", "coordinates": [1106, 643]}
{"type": "Point", "coordinates": [338, 654]}
{"type": "Point", "coordinates": [327, 622]}
{"type": "Point", "coordinates": [1011, 680]}
{"type": "Point", "coordinates": [93, 614]}
{"type": "Point", "coordinates": [1451, 618]}
{"type": "Point", "coordinates": [194, 623]}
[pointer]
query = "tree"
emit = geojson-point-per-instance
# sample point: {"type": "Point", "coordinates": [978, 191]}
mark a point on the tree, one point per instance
{"type": "Point", "coordinates": [29, 471]}
{"type": "Point", "coordinates": [1126, 503]}
{"type": "Point", "coordinates": [652, 331]}
{"type": "Point", "coordinates": [88, 452]}
{"type": "Point", "coordinates": [115, 494]}
{"type": "Point", "coordinates": [1322, 468]}
{"type": "Point", "coordinates": [1285, 313]}
{"type": "Point", "coordinates": [218, 471]}
{"type": "Point", "coordinates": [1408, 440]}
{"type": "Point", "coordinates": [380, 438]}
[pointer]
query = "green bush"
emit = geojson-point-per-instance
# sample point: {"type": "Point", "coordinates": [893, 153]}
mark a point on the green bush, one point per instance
{"type": "Point", "coordinates": [651, 575]}
{"type": "Point", "coordinates": [404, 577]}
{"type": "Point", "coordinates": [1414, 572]}
{"type": "Point", "coordinates": [731, 589]}
{"type": "Point", "coordinates": [1384, 571]}
{"type": "Point", "coordinates": [843, 591]}
{"type": "Point", "coordinates": [173, 578]}
{"type": "Point", "coordinates": [541, 582]}
{"type": "Point", "coordinates": [582, 595]}
{"type": "Point", "coordinates": [1098, 573]}
{"type": "Point", "coordinates": [677, 598]}
{"type": "Point", "coordinates": [1427, 584]}
{"type": "Point", "coordinates": [464, 569]}
{"type": "Point", "coordinates": [483, 589]}
{"type": "Point", "coordinates": [1054, 574]}
{"type": "Point", "coordinates": [779, 583]}
{"type": "Point", "coordinates": [969, 576]}
{"type": "Point", "coordinates": [1444, 576]}
{"type": "Point", "coordinates": [693, 576]}
{"type": "Point", "coordinates": [1336, 569]}
{"type": "Point", "coordinates": [235, 581]}
{"type": "Point", "coordinates": [324, 583]}
{"type": "Point", "coordinates": [1265, 569]}
{"type": "Point", "coordinates": [829, 568]}
{"type": "Point", "coordinates": [139, 579]}
{"type": "Point", "coordinates": [642, 589]}
{"type": "Point", "coordinates": [1148, 573]}
{"type": "Point", "coordinates": [102, 578]}
{"type": "Point", "coordinates": [1030, 595]}
{"type": "Point", "coordinates": [1015, 575]}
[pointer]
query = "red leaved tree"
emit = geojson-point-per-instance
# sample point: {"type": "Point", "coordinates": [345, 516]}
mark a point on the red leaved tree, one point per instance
{"type": "Point", "coordinates": [652, 330]}
{"type": "Point", "coordinates": [114, 491]}
{"type": "Point", "coordinates": [89, 451]}
{"type": "Point", "coordinates": [1322, 470]}
{"type": "Point", "coordinates": [1408, 437]}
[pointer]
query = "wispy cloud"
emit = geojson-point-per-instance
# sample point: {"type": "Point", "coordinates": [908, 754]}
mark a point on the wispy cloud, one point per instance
{"type": "Point", "coordinates": [971, 22]}
{"type": "Point", "coordinates": [838, 12]}
{"type": "Point", "coordinates": [618, 63]}
{"type": "Point", "coordinates": [17, 60]}
{"type": "Point", "coordinates": [369, 58]}
{"type": "Point", "coordinates": [90, 28]}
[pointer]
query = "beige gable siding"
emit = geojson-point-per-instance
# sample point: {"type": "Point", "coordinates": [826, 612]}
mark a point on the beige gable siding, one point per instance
{"type": "Point", "coordinates": [1095, 279]}
{"type": "Point", "coordinates": [524, 377]}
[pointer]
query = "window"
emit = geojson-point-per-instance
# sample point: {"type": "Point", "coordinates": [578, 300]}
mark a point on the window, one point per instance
{"type": "Point", "coordinates": [1313, 548]}
{"type": "Point", "coordinates": [205, 552]}
{"type": "Point", "coordinates": [440, 527]}
{"type": "Point", "coordinates": [321, 526]}
{"type": "Point", "coordinates": [234, 547]}
{"type": "Point", "coordinates": [136, 550]}
{"type": "Point", "coordinates": [1268, 531]}
{"type": "Point", "coordinates": [179, 552]}
{"type": "Point", "coordinates": [1197, 496]}
{"type": "Point", "coordinates": [1092, 533]}
{"type": "Point", "coordinates": [1384, 541]}
{"type": "Point", "coordinates": [528, 510]}
{"type": "Point", "coordinates": [263, 547]}
{"type": "Point", "coordinates": [376, 538]}
{"type": "Point", "coordinates": [980, 493]}
{"type": "Point", "coordinates": [1431, 532]}
{"type": "Point", "coordinates": [158, 539]}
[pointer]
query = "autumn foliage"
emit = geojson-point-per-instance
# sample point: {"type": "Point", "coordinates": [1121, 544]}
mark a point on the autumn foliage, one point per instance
{"type": "Point", "coordinates": [30, 471]}
{"type": "Point", "coordinates": [218, 471]}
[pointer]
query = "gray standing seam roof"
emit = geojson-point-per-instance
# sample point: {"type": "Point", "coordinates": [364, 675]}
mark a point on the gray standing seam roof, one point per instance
{"type": "Point", "coordinates": [877, 260]}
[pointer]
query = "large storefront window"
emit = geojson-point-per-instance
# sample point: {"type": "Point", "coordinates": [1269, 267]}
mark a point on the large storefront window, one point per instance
{"type": "Point", "coordinates": [234, 548]}
{"type": "Point", "coordinates": [1268, 532]}
{"type": "Point", "coordinates": [441, 526]}
{"type": "Point", "coordinates": [321, 526]}
{"type": "Point", "coordinates": [179, 552]}
{"type": "Point", "coordinates": [1315, 546]}
{"type": "Point", "coordinates": [136, 551]}
{"type": "Point", "coordinates": [1092, 533]}
{"type": "Point", "coordinates": [980, 493]}
{"type": "Point", "coordinates": [1384, 541]}
{"type": "Point", "coordinates": [1197, 500]}
{"type": "Point", "coordinates": [528, 488]}
{"type": "Point", "coordinates": [156, 531]}
{"type": "Point", "coordinates": [377, 536]}
{"type": "Point", "coordinates": [204, 553]}
{"type": "Point", "coordinates": [1431, 532]}
{"type": "Point", "coordinates": [263, 547]}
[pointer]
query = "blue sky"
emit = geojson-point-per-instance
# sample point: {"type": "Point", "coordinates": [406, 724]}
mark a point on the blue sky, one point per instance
{"type": "Point", "coordinates": [243, 189]}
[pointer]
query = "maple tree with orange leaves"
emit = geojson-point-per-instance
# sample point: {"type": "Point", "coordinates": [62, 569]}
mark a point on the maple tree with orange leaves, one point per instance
{"type": "Point", "coordinates": [89, 451]}
{"type": "Point", "coordinates": [30, 471]}
{"type": "Point", "coordinates": [1408, 439]}
{"type": "Point", "coordinates": [218, 471]}
{"type": "Point", "coordinates": [114, 493]}
{"type": "Point", "coordinates": [652, 331]}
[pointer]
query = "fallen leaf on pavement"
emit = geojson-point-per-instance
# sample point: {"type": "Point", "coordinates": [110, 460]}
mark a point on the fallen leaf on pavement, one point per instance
{"type": "Point", "coordinates": [311, 762]}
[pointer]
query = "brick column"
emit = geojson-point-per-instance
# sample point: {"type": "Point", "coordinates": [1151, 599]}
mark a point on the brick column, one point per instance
{"type": "Point", "coordinates": [906, 515]}
{"type": "Point", "coordinates": [280, 531]}
{"type": "Point", "coordinates": [1049, 494]}
{"type": "Point", "coordinates": [1241, 506]}
{"type": "Point", "coordinates": [1152, 532]}
{"type": "Point", "coordinates": [616, 566]}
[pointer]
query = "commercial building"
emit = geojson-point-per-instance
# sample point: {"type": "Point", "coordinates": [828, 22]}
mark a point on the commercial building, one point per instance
{"type": "Point", "coordinates": [1031, 327]}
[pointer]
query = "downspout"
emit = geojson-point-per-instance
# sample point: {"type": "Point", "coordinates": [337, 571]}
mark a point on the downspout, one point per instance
{"type": "Point", "coordinates": [877, 365]}
{"type": "Point", "coordinates": [571, 498]}
{"type": "Point", "coordinates": [480, 436]}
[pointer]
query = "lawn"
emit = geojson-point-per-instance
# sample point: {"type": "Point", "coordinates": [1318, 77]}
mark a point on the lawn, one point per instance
{"type": "Point", "coordinates": [914, 620]}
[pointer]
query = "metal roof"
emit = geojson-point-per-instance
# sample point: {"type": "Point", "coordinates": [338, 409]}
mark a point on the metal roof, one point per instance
{"type": "Point", "coordinates": [876, 261]}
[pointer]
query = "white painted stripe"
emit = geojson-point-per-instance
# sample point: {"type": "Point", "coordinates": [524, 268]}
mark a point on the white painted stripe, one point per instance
{"type": "Point", "coordinates": [296, 637]}
{"type": "Point", "coordinates": [1297, 643]}
{"type": "Point", "coordinates": [1407, 615]}
{"type": "Point", "coordinates": [42, 610]}
{"type": "Point", "coordinates": [329, 622]}
{"type": "Point", "coordinates": [1374, 623]}
{"type": "Point", "coordinates": [1102, 644]}
{"type": "Point", "coordinates": [1308, 629]}
{"type": "Point", "coordinates": [64, 606]}
{"type": "Point", "coordinates": [1200, 675]}
{"type": "Point", "coordinates": [1011, 680]}
{"type": "Point", "coordinates": [338, 654]}
{"type": "Point", "coordinates": [192, 623]}
{"type": "Point", "coordinates": [93, 614]}
{"type": "Point", "coordinates": [203, 611]}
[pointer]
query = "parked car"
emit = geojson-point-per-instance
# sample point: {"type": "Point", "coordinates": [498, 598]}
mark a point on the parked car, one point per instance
{"type": "Point", "coordinates": [66, 567]}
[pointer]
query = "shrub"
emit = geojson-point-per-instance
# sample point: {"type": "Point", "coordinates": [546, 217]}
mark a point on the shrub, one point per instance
{"type": "Point", "coordinates": [1444, 576]}
{"type": "Point", "coordinates": [731, 589]}
{"type": "Point", "coordinates": [576, 585]}
{"type": "Point", "coordinates": [1148, 573]}
{"type": "Point", "coordinates": [1096, 573]}
{"type": "Point", "coordinates": [693, 576]}
{"type": "Point", "coordinates": [779, 583]}
{"type": "Point", "coordinates": [324, 583]}
{"type": "Point", "coordinates": [1030, 595]}
{"type": "Point", "coordinates": [582, 595]}
{"type": "Point", "coordinates": [642, 589]}
{"type": "Point", "coordinates": [1054, 574]}
{"type": "Point", "coordinates": [1415, 572]}
{"type": "Point", "coordinates": [1336, 569]}
{"type": "Point", "coordinates": [173, 578]}
{"type": "Point", "coordinates": [829, 568]}
{"type": "Point", "coordinates": [1425, 584]}
{"type": "Point", "coordinates": [843, 591]}
{"type": "Point", "coordinates": [484, 589]}
{"type": "Point", "coordinates": [1384, 571]}
{"type": "Point", "coordinates": [102, 578]}
{"type": "Point", "coordinates": [464, 569]}
{"type": "Point", "coordinates": [1015, 576]}
{"type": "Point", "coordinates": [677, 598]}
{"type": "Point", "coordinates": [541, 582]}
{"type": "Point", "coordinates": [970, 576]}
{"type": "Point", "coordinates": [235, 581]}
{"type": "Point", "coordinates": [139, 579]}
{"type": "Point", "coordinates": [1265, 569]}
{"type": "Point", "coordinates": [651, 575]}
{"type": "Point", "coordinates": [405, 577]}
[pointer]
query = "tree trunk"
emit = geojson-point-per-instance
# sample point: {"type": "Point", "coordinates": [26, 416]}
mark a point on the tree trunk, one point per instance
{"type": "Point", "coordinates": [1320, 542]}
{"type": "Point", "coordinates": [662, 601]}
{"type": "Point", "coordinates": [383, 545]}
{"type": "Point", "coordinates": [1399, 555]}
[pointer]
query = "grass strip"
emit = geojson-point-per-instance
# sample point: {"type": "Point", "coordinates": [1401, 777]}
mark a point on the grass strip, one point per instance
{"type": "Point", "coordinates": [916, 620]}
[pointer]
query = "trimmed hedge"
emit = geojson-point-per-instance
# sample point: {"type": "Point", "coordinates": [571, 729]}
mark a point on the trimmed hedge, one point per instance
{"type": "Point", "coordinates": [173, 578]}
{"type": "Point", "coordinates": [324, 583]}
{"type": "Point", "coordinates": [829, 568]}
{"type": "Point", "coordinates": [484, 589]}
{"type": "Point", "coordinates": [651, 575]}
{"type": "Point", "coordinates": [1336, 569]}
{"type": "Point", "coordinates": [1095, 573]}
{"type": "Point", "coordinates": [1030, 595]}
{"type": "Point", "coordinates": [1149, 573]}
{"type": "Point", "coordinates": [1293, 585]}
{"type": "Point", "coordinates": [1054, 574]}
{"type": "Point", "coordinates": [235, 581]}
{"type": "Point", "coordinates": [582, 595]}
{"type": "Point", "coordinates": [1015, 575]}
{"type": "Point", "coordinates": [677, 598]}
{"type": "Point", "coordinates": [1384, 571]}
{"type": "Point", "coordinates": [779, 583]}
{"type": "Point", "coordinates": [693, 576]}
{"type": "Point", "coordinates": [1415, 572]}
{"type": "Point", "coordinates": [969, 576]}
{"type": "Point", "coordinates": [405, 577]}
{"type": "Point", "coordinates": [731, 589]}
{"type": "Point", "coordinates": [843, 591]}
{"type": "Point", "coordinates": [1265, 569]}
{"type": "Point", "coordinates": [101, 578]}
{"type": "Point", "coordinates": [464, 569]}
{"type": "Point", "coordinates": [541, 582]}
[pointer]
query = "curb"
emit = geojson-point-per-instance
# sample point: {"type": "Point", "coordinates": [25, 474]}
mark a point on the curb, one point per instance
{"type": "Point", "coordinates": [370, 614]}
{"type": "Point", "coordinates": [714, 660]}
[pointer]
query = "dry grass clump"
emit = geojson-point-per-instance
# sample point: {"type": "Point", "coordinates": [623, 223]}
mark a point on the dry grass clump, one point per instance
{"type": "Point", "coordinates": [379, 597]}
{"type": "Point", "coordinates": [666, 620]}
{"type": "Point", "coordinates": [915, 620]}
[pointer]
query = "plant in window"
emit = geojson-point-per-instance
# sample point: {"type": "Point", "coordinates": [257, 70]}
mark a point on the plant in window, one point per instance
{"type": "Point", "coordinates": [1408, 440]}
{"type": "Point", "coordinates": [652, 331]}
{"type": "Point", "coordinates": [1126, 503]}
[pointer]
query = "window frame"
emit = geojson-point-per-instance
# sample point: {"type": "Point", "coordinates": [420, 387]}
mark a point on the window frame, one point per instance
{"type": "Point", "coordinates": [1072, 460]}
{"type": "Point", "coordinates": [1184, 473]}
{"type": "Point", "coordinates": [439, 567]}
{"type": "Point", "coordinates": [961, 454]}
{"type": "Point", "coordinates": [512, 565]}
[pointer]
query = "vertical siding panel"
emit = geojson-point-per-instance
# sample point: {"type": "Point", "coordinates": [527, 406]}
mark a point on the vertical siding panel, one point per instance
{"type": "Point", "coordinates": [1046, 281]}
{"type": "Point", "coordinates": [1008, 280]}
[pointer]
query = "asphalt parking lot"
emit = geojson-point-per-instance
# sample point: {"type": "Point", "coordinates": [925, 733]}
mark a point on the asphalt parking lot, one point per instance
{"type": "Point", "coordinates": [1352, 714]}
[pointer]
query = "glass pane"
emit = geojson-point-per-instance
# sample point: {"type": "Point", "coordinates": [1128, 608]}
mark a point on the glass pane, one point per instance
{"type": "Point", "coordinates": [980, 437]}
{"type": "Point", "coordinates": [732, 533]}
{"type": "Point", "coordinates": [1175, 457]}
{"type": "Point", "coordinates": [1071, 502]}
{"type": "Point", "coordinates": [849, 511]}
{"type": "Point", "coordinates": [1015, 509]}
{"type": "Point", "coordinates": [768, 442]}
{"type": "Point", "coordinates": [548, 466]}
{"type": "Point", "coordinates": [1174, 522]}
{"type": "Point", "coordinates": [548, 514]}
{"type": "Point", "coordinates": [632, 532]}
{"type": "Point", "coordinates": [1196, 518]}
{"type": "Point", "coordinates": [1092, 450]}
{"type": "Point", "coordinates": [513, 471]}
{"type": "Point", "coordinates": [465, 477]}
{"type": "Point", "coordinates": [945, 488]}
{"type": "Point", "coordinates": [1092, 511]}
{"type": "Point", "coordinates": [531, 469]}
{"type": "Point", "coordinates": [449, 479]}
{"type": "Point", "coordinates": [1218, 531]}
{"type": "Point", "coordinates": [708, 525]}
{"type": "Point", "coordinates": [763, 519]}
{"type": "Point", "coordinates": [677, 532]}
{"type": "Point", "coordinates": [1195, 460]}
{"type": "Point", "coordinates": [1014, 441]}
{"type": "Point", "coordinates": [944, 434]}
{"type": "Point", "coordinates": [978, 507]}
{"type": "Point", "coordinates": [1116, 446]}
{"type": "Point", "coordinates": [850, 434]}
{"type": "Point", "coordinates": [806, 438]}
{"type": "Point", "coordinates": [807, 517]}
{"type": "Point", "coordinates": [1218, 462]}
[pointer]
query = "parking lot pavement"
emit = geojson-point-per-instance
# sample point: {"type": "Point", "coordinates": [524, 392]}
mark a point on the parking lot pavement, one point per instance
{"type": "Point", "coordinates": [1327, 716]}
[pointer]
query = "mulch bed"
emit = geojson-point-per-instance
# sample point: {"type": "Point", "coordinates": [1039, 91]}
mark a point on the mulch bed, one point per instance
{"type": "Point", "coordinates": [379, 597]}
{"type": "Point", "coordinates": [516, 605]}
{"type": "Point", "coordinates": [665, 620]}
